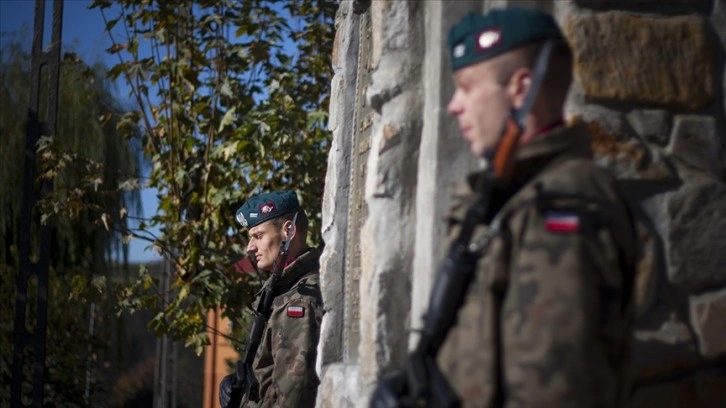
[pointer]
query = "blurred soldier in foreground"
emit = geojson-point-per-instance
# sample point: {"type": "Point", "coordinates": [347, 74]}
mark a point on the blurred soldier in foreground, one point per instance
{"type": "Point", "coordinates": [278, 368]}
{"type": "Point", "coordinates": [531, 307]}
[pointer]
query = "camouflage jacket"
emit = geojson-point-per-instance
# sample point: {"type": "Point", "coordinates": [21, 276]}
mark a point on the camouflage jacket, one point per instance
{"type": "Point", "coordinates": [546, 319]}
{"type": "Point", "coordinates": [285, 361]}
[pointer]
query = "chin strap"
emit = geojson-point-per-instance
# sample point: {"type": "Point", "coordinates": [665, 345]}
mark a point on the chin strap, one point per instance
{"type": "Point", "coordinates": [501, 158]}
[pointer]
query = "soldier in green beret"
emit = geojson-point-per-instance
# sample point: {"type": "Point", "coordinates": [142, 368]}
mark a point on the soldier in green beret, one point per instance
{"type": "Point", "coordinates": [284, 365]}
{"type": "Point", "coordinates": [546, 320]}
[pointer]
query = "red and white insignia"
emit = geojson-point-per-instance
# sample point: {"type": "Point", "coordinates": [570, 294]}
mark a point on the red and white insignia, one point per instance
{"type": "Point", "coordinates": [295, 311]}
{"type": "Point", "coordinates": [487, 39]}
{"type": "Point", "coordinates": [267, 208]}
{"type": "Point", "coordinates": [560, 221]}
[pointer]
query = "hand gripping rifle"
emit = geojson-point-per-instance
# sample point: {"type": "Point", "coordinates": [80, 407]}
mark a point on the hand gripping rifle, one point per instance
{"type": "Point", "coordinates": [234, 386]}
{"type": "Point", "coordinates": [420, 383]}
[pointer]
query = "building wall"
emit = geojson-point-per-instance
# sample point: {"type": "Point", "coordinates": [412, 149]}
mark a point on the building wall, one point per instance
{"type": "Point", "coordinates": [217, 356]}
{"type": "Point", "coordinates": [649, 82]}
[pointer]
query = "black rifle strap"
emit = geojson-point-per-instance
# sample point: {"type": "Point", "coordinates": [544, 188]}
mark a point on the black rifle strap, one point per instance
{"type": "Point", "coordinates": [246, 379]}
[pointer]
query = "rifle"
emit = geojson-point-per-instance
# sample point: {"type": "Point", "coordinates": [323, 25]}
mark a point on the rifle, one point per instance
{"type": "Point", "coordinates": [420, 382]}
{"type": "Point", "coordinates": [234, 386]}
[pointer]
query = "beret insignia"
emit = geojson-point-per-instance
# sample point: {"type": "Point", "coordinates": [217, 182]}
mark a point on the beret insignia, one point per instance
{"type": "Point", "coordinates": [262, 207]}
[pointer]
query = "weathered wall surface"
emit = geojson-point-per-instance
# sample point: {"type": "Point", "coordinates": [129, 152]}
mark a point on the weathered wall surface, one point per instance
{"type": "Point", "coordinates": [338, 384]}
{"type": "Point", "coordinates": [651, 85]}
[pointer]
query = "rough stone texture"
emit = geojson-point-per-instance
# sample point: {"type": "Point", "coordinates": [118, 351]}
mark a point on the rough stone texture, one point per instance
{"type": "Point", "coordinates": [647, 277]}
{"type": "Point", "coordinates": [718, 20]}
{"type": "Point", "coordinates": [694, 141]}
{"type": "Point", "coordinates": [443, 155]}
{"type": "Point", "coordinates": [338, 386]}
{"type": "Point", "coordinates": [534, 4]}
{"type": "Point", "coordinates": [579, 106]}
{"type": "Point", "coordinates": [696, 234]}
{"type": "Point", "coordinates": [653, 125]}
{"type": "Point", "coordinates": [337, 181]}
{"type": "Point", "coordinates": [700, 389]}
{"type": "Point", "coordinates": [671, 332]}
{"type": "Point", "coordinates": [708, 316]}
{"type": "Point", "coordinates": [639, 58]}
{"type": "Point", "coordinates": [660, 332]}
{"type": "Point", "coordinates": [637, 76]}
{"type": "Point", "coordinates": [667, 368]}
{"type": "Point", "coordinates": [628, 158]}
{"type": "Point", "coordinates": [649, 6]}
{"type": "Point", "coordinates": [387, 236]}
{"type": "Point", "coordinates": [718, 24]}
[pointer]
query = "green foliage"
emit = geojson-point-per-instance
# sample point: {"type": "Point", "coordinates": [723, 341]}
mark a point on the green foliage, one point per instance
{"type": "Point", "coordinates": [85, 155]}
{"type": "Point", "coordinates": [230, 101]}
{"type": "Point", "coordinates": [72, 351]}
{"type": "Point", "coordinates": [82, 156]}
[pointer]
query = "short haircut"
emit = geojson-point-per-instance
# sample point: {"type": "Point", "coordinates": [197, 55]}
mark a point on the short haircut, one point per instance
{"type": "Point", "coordinates": [301, 223]}
{"type": "Point", "coordinates": [556, 82]}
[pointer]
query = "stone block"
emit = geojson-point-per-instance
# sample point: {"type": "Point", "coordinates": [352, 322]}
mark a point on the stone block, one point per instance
{"type": "Point", "coordinates": [646, 276]}
{"type": "Point", "coordinates": [671, 331]}
{"type": "Point", "coordinates": [643, 58]}
{"type": "Point", "coordinates": [335, 58]}
{"type": "Point", "coordinates": [391, 137]}
{"type": "Point", "coordinates": [361, 6]}
{"type": "Point", "coordinates": [627, 158]}
{"type": "Point", "coordinates": [653, 125]}
{"type": "Point", "coordinates": [695, 234]}
{"type": "Point", "coordinates": [718, 23]}
{"type": "Point", "coordinates": [700, 389]}
{"type": "Point", "coordinates": [708, 317]}
{"type": "Point", "coordinates": [386, 247]}
{"type": "Point", "coordinates": [338, 387]}
{"type": "Point", "coordinates": [718, 20]}
{"type": "Point", "coordinates": [649, 6]}
{"type": "Point", "coordinates": [335, 200]}
{"type": "Point", "coordinates": [694, 141]}
{"type": "Point", "coordinates": [662, 345]}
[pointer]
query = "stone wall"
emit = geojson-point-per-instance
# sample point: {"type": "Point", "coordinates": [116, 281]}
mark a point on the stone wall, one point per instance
{"type": "Point", "coordinates": [649, 82]}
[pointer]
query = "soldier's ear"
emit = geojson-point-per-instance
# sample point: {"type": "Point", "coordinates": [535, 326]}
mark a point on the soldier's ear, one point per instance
{"type": "Point", "coordinates": [518, 86]}
{"type": "Point", "coordinates": [288, 229]}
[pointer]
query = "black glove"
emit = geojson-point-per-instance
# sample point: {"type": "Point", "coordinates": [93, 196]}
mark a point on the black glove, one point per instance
{"type": "Point", "coordinates": [229, 392]}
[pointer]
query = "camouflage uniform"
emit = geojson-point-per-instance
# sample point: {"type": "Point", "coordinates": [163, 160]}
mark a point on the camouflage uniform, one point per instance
{"type": "Point", "coordinates": [546, 319]}
{"type": "Point", "coordinates": [285, 361]}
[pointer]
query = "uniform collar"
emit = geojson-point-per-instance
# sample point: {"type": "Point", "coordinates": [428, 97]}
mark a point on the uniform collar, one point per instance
{"type": "Point", "coordinates": [303, 264]}
{"type": "Point", "coordinates": [550, 127]}
{"type": "Point", "coordinates": [532, 157]}
{"type": "Point", "coordinates": [542, 150]}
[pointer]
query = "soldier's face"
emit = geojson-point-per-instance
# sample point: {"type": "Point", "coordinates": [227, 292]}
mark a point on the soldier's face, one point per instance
{"type": "Point", "coordinates": [265, 242]}
{"type": "Point", "coordinates": [481, 104]}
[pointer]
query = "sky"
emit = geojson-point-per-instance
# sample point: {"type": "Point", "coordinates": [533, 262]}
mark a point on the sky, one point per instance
{"type": "Point", "coordinates": [83, 33]}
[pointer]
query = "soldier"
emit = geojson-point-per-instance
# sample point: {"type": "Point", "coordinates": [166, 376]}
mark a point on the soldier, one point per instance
{"type": "Point", "coordinates": [284, 364]}
{"type": "Point", "coordinates": [545, 321]}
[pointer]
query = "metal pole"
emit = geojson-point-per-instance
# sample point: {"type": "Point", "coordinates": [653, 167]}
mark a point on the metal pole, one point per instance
{"type": "Point", "coordinates": [89, 363]}
{"type": "Point", "coordinates": [174, 372]}
{"type": "Point", "coordinates": [162, 349]}
{"type": "Point", "coordinates": [34, 340]}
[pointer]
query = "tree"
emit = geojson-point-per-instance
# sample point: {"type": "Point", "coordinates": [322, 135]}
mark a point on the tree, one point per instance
{"type": "Point", "coordinates": [230, 101]}
{"type": "Point", "coordinates": [83, 251]}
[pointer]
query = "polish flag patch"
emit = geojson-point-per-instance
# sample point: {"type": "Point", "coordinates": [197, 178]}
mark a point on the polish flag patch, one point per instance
{"type": "Point", "coordinates": [295, 311]}
{"type": "Point", "coordinates": [559, 221]}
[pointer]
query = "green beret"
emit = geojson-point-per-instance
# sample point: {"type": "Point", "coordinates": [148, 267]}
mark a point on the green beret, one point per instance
{"type": "Point", "coordinates": [263, 207]}
{"type": "Point", "coordinates": [478, 37]}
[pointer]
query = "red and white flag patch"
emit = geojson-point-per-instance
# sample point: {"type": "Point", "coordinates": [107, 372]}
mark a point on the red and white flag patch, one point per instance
{"type": "Point", "coordinates": [295, 311]}
{"type": "Point", "coordinates": [488, 39]}
{"type": "Point", "coordinates": [560, 221]}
